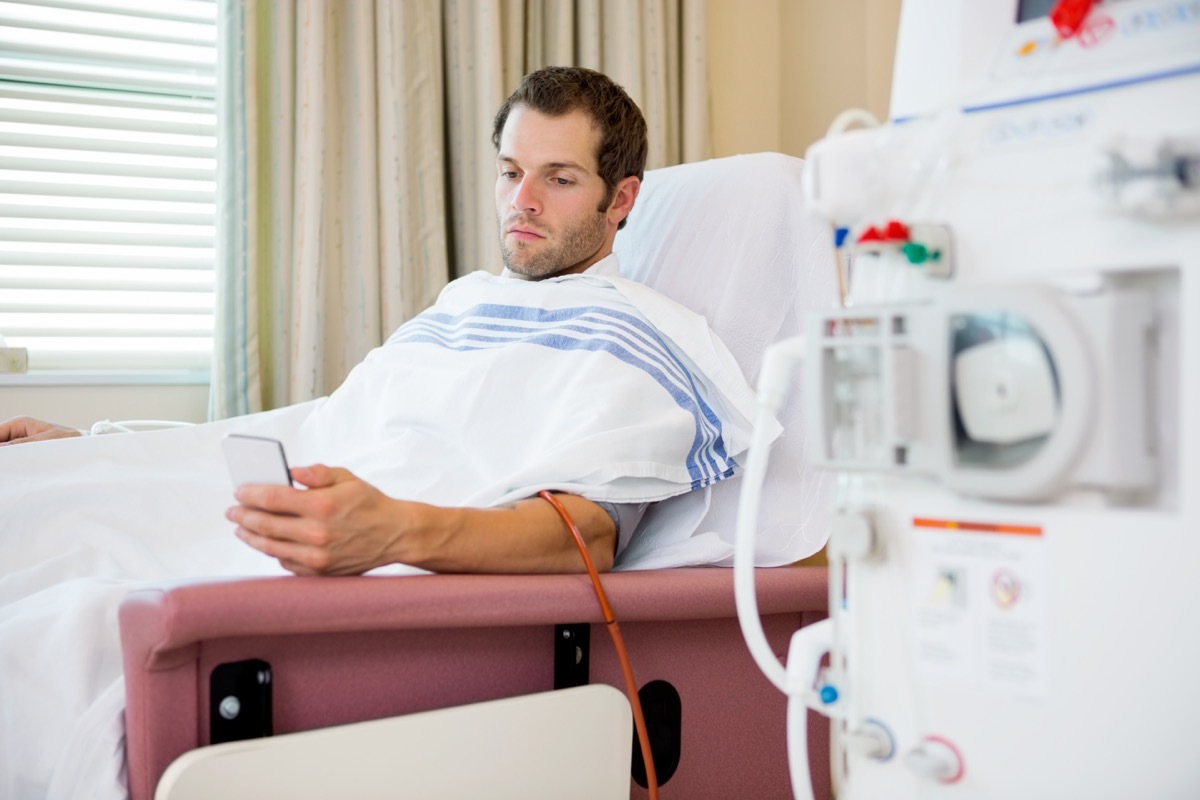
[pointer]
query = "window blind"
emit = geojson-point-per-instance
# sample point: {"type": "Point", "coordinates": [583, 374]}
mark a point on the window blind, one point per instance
{"type": "Point", "coordinates": [107, 183]}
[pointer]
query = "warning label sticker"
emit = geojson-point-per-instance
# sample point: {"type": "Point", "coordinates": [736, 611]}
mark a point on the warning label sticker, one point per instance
{"type": "Point", "coordinates": [978, 601]}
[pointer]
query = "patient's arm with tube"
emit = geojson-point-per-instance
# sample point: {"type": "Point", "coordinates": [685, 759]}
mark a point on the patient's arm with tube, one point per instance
{"type": "Point", "coordinates": [342, 525]}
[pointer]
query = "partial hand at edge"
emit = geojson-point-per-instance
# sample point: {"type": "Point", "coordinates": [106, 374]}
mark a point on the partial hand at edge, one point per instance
{"type": "Point", "coordinates": [21, 430]}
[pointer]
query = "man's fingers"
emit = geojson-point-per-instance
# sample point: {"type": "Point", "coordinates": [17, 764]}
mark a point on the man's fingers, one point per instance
{"type": "Point", "coordinates": [319, 476]}
{"type": "Point", "coordinates": [307, 529]}
{"type": "Point", "coordinates": [273, 523]}
{"type": "Point", "coordinates": [280, 549]}
{"type": "Point", "coordinates": [294, 556]}
{"type": "Point", "coordinates": [45, 436]}
{"type": "Point", "coordinates": [19, 430]}
{"type": "Point", "coordinates": [261, 524]}
{"type": "Point", "coordinates": [289, 500]}
{"type": "Point", "coordinates": [268, 497]}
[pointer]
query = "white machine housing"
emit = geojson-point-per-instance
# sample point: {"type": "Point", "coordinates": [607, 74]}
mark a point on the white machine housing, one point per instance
{"type": "Point", "coordinates": [1005, 395]}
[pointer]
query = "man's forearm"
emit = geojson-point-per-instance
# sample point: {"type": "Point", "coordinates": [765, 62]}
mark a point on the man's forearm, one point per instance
{"type": "Point", "coordinates": [342, 525]}
{"type": "Point", "coordinates": [527, 537]}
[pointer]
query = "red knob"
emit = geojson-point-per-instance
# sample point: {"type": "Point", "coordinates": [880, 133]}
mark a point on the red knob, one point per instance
{"type": "Point", "coordinates": [1068, 16]}
{"type": "Point", "coordinates": [895, 231]}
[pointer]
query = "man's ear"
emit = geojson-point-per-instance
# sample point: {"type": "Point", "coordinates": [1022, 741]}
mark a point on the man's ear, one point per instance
{"type": "Point", "coordinates": [623, 199]}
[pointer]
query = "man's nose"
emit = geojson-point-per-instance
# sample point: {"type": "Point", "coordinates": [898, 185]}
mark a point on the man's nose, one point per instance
{"type": "Point", "coordinates": [526, 198]}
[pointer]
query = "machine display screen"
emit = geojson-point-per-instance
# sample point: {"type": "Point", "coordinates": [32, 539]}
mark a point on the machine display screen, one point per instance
{"type": "Point", "coordinates": [1033, 9]}
{"type": "Point", "coordinates": [1036, 9]}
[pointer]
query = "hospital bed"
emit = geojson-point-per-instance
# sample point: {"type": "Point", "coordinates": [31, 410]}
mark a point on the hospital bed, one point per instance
{"type": "Point", "coordinates": [729, 238]}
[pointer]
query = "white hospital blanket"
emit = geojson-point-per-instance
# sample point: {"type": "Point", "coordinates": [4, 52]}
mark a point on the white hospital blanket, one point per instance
{"type": "Point", "coordinates": [587, 384]}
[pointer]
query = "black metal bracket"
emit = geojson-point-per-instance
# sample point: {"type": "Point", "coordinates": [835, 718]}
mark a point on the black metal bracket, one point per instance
{"type": "Point", "coordinates": [572, 648]}
{"type": "Point", "coordinates": [239, 701]}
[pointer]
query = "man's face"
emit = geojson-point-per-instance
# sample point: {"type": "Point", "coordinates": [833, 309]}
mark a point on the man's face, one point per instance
{"type": "Point", "coordinates": [548, 194]}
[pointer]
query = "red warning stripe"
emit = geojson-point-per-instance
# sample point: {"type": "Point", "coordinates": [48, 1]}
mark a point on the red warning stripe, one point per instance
{"type": "Point", "coordinates": [984, 527]}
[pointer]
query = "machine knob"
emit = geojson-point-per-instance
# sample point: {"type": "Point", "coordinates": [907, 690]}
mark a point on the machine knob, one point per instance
{"type": "Point", "coordinates": [871, 739]}
{"type": "Point", "coordinates": [936, 758]}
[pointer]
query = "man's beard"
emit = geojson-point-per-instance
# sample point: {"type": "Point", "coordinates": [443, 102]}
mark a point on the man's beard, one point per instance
{"type": "Point", "coordinates": [575, 244]}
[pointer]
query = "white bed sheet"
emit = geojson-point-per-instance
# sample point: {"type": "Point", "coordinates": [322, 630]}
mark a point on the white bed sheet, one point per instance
{"type": "Point", "coordinates": [641, 416]}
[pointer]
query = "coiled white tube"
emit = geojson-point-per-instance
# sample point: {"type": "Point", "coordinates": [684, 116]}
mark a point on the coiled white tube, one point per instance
{"type": "Point", "coordinates": [132, 425]}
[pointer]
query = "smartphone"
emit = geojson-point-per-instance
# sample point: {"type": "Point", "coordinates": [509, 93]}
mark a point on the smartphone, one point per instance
{"type": "Point", "coordinates": [255, 459]}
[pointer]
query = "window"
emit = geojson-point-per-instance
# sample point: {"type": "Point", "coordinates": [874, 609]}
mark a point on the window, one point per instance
{"type": "Point", "coordinates": [107, 183]}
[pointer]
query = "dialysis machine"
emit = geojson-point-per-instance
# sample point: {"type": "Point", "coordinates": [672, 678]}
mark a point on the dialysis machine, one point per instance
{"type": "Point", "coordinates": [1009, 396]}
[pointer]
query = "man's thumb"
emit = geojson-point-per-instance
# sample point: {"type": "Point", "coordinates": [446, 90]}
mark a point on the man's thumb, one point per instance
{"type": "Point", "coordinates": [317, 475]}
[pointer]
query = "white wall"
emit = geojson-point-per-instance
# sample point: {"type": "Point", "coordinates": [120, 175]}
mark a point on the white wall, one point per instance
{"type": "Point", "coordinates": [745, 74]}
{"type": "Point", "coordinates": [81, 405]}
{"type": "Point", "coordinates": [781, 70]}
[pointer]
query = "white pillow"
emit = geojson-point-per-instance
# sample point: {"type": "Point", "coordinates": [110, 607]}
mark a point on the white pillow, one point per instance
{"type": "Point", "coordinates": [731, 239]}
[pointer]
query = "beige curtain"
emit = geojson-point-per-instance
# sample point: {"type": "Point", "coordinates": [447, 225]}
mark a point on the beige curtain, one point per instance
{"type": "Point", "coordinates": [653, 48]}
{"type": "Point", "coordinates": [357, 165]}
{"type": "Point", "coordinates": [332, 207]}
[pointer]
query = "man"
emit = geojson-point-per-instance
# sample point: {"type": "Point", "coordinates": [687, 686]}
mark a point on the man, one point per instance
{"type": "Point", "coordinates": [571, 151]}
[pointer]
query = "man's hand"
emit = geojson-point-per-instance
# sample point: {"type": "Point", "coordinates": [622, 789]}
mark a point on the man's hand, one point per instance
{"type": "Point", "coordinates": [340, 525]}
{"type": "Point", "coordinates": [19, 430]}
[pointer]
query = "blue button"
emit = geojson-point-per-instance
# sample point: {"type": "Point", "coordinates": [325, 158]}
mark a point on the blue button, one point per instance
{"type": "Point", "coordinates": [829, 694]}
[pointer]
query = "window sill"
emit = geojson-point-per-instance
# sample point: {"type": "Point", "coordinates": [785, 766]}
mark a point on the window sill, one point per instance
{"type": "Point", "coordinates": [83, 378]}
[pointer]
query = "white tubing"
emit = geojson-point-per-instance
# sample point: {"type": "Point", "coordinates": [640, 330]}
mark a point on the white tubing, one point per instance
{"type": "Point", "coordinates": [849, 118]}
{"type": "Point", "coordinates": [779, 363]}
{"type": "Point", "coordinates": [133, 425]}
{"type": "Point", "coordinates": [743, 555]}
{"type": "Point", "coordinates": [809, 646]}
{"type": "Point", "coordinates": [797, 747]}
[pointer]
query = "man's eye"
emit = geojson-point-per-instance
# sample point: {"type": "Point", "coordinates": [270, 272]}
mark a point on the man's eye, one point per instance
{"type": "Point", "coordinates": [562, 181]}
{"type": "Point", "coordinates": [508, 174]}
